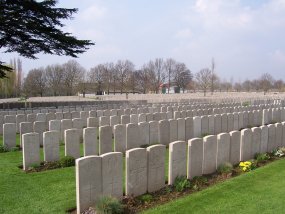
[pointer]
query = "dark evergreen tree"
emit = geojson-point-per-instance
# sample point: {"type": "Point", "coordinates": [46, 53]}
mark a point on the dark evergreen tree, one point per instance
{"type": "Point", "coordinates": [29, 27]}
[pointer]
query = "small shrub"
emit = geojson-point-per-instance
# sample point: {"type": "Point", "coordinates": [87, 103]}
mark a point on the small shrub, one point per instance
{"type": "Point", "coordinates": [262, 157]}
{"type": "Point", "coordinates": [248, 165]}
{"type": "Point", "coordinates": [52, 165]}
{"type": "Point", "coordinates": [146, 198]}
{"type": "Point", "coordinates": [278, 153]}
{"type": "Point", "coordinates": [15, 149]}
{"type": "Point", "coordinates": [144, 146]}
{"type": "Point", "coordinates": [34, 166]}
{"type": "Point", "coordinates": [198, 181]}
{"type": "Point", "coordinates": [282, 149]}
{"type": "Point", "coordinates": [3, 149]}
{"type": "Point", "coordinates": [246, 103]}
{"type": "Point", "coordinates": [67, 161]}
{"type": "Point", "coordinates": [181, 183]}
{"type": "Point", "coordinates": [168, 189]}
{"type": "Point", "coordinates": [225, 168]}
{"type": "Point", "coordinates": [108, 205]}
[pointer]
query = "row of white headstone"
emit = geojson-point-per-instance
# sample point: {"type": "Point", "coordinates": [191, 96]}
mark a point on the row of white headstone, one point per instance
{"type": "Point", "coordinates": [229, 122]}
{"type": "Point", "coordinates": [135, 135]}
{"type": "Point", "coordinates": [97, 176]}
{"type": "Point", "coordinates": [107, 108]}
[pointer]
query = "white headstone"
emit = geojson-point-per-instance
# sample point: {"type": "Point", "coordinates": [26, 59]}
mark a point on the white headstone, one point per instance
{"type": "Point", "coordinates": [177, 160]}
{"type": "Point", "coordinates": [31, 150]}
{"type": "Point", "coordinates": [105, 139]}
{"type": "Point", "coordinates": [88, 182]}
{"type": "Point", "coordinates": [156, 167]}
{"type": "Point", "coordinates": [136, 172]}
{"type": "Point", "coordinates": [90, 145]}
{"type": "Point", "coordinates": [51, 146]}
{"type": "Point", "coordinates": [195, 158]}
{"type": "Point", "coordinates": [209, 154]}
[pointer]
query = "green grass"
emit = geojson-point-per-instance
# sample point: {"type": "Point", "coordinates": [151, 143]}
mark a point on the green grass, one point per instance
{"type": "Point", "coordinates": [50, 191]}
{"type": "Point", "coordinates": [260, 191]}
{"type": "Point", "coordinates": [53, 191]}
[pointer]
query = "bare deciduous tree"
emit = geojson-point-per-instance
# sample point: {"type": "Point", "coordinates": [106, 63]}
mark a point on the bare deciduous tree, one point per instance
{"type": "Point", "coordinates": [203, 78]}
{"type": "Point", "coordinates": [213, 76]}
{"type": "Point", "coordinates": [156, 73]}
{"type": "Point", "coordinates": [143, 79]}
{"type": "Point", "coordinates": [35, 82]}
{"type": "Point", "coordinates": [169, 68]}
{"type": "Point", "coordinates": [123, 69]}
{"type": "Point", "coordinates": [73, 74]}
{"type": "Point", "coordinates": [55, 78]}
{"type": "Point", "coordinates": [279, 85]}
{"type": "Point", "coordinates": [96, 76]}
{"type": "Point", "coordinates": [108, 75]}
{"type": "Point", "coordinates": [182, 76]}
{"type": "Point", "coordinates": [237, 86]}
{"type": "Point", "coordinates": [266, 81]}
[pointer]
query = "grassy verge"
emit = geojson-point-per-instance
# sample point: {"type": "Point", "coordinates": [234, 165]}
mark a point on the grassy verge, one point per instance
{"type": "Point", "coordinates": [51, 191]}
{"type": "Point", "coordinates": [259, 191]}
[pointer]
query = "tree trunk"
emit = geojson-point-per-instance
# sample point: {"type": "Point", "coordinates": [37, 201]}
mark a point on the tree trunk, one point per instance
{"type": "Point", "coordinates": [168, 81]}
{"type": "Point", "coordinates": [108, 87]}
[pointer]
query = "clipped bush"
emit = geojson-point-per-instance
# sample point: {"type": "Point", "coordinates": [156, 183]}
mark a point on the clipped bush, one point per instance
{"type": "Point", "coordinates": [225, 168]}
{"type": "Point", "coordinates": [198, 181]}
{"type": "Point", "coordinates": [282, 149]}
{"type": "Point", "coordinates": [181, 183]}
{"type": "Point", "coordinates": [278, 153]}
{"type": "Point", "coordinates": [248, 165]}
{"type": "Point", "coordinates": [3, 149]}
{"type": "Point", "coordinates": [108, 205]}
{"type": "Point", "coordinates": [67, 161]}
{"type": "Point", "coordinates": [146, 198]}
{"type": "Point", "coordinates": [34, 166]}
{"type": "Point", "coordinates": [167, 189]}
{"type": "Point", "coordinates": [15, 149]}
{"type": "Point", "coordinates": [261, 157]}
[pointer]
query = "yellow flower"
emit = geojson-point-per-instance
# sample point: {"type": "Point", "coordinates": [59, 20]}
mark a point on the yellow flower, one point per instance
{"type": "Point", "coordinates": [247, 163]}
{"type": "Point", "coordinates": [244, 168]}
{"type": "Point", "coordinates": [241, 164]}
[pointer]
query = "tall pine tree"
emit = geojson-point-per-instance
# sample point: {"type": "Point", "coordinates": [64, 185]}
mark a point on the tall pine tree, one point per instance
{"type": "Point", "coordinates": [29, 27]}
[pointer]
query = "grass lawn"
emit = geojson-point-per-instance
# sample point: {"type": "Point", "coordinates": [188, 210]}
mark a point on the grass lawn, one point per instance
{"type": "Point", "coordinates": [50, 191]}
{"type": "Point", "coordinates": [53, 191]}
{"type": "Point", "coordinates": [260, 191]}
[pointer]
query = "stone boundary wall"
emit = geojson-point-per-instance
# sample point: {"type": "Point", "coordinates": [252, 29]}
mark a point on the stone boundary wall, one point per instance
{"type": "Point", "coordinates": [22, 105]}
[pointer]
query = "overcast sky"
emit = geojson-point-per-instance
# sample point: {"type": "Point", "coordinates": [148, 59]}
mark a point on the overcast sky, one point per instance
{"type": "Point", "coordinates": [245, 37]}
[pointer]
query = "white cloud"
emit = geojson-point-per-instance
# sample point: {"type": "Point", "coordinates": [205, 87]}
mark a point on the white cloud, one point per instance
{"type": "Point", "coordinates": [245, 37]}
{"type": "Point", "coordinates": [92, 13]}
{"type": "Point", "coordinates": [277, 56]}
{"type": "Point", "coordinates": [183, 34]}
